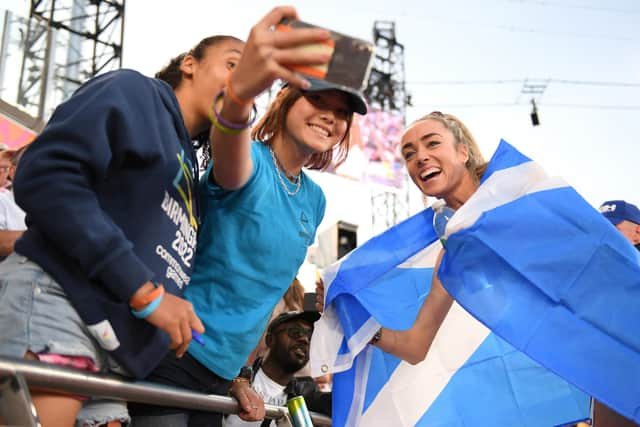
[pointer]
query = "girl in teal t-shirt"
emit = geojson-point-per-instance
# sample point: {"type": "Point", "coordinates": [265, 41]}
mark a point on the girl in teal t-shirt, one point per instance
{"type": "Point", "coordinates": [256, 230]}
{"type": "Point", "coordinates": [259, 210]}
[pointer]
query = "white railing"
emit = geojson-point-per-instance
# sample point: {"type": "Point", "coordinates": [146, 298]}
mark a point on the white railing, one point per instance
{"type": "Point", "coordinates": [15, 408]}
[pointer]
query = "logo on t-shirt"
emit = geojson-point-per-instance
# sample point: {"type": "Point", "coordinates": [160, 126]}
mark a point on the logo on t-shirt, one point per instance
{"type": "Point", "coordinates": [183, 182]}
{"type": "Point", "coordinates": [305, 231]}
{"type": "Point", "coordinates": [179, 206]}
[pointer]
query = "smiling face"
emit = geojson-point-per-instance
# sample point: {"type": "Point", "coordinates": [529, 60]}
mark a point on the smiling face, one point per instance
{"type": "Point", "coordinates": [318, 121]}
{"type": "Point", "coordinates": [436, 162]}
{"type": "Point", "coordinates": [289, 345]}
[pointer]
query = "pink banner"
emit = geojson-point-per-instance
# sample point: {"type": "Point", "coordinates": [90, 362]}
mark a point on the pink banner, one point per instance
{"type": "Point", "coordinates": [14, 134]}
{"type": "Point", "coordinates": [374, 155]}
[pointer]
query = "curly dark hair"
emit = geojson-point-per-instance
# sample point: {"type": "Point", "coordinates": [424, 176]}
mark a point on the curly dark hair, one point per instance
{"type": "Point", "coordinates": [172, 75]}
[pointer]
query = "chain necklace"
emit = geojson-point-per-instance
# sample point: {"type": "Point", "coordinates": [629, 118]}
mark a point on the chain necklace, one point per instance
{"type": "Point", "coordinates": [280, 171]}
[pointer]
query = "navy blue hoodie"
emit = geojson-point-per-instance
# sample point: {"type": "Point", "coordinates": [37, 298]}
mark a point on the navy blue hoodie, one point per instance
{"type": "Point", "coordinates": [108, 188]}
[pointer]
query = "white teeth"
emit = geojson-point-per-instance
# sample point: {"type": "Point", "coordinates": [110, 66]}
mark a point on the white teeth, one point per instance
{"type": "Point", "coordinates": [428, 172]}
{"type": "Point", "coordinates": [322, 131]}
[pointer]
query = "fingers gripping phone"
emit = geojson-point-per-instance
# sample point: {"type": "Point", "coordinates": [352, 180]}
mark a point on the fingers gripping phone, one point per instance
{"type": "Point", "coordinates": [351, 58]}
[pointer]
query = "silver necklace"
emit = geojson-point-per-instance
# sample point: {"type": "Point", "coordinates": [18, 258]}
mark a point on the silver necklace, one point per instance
{"type": "Point", "coordinates": [280, 171]}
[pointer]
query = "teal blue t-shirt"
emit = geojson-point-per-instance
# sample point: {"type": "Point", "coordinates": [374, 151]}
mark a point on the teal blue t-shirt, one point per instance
{"type": "Point", "coordinates": [251, 244]}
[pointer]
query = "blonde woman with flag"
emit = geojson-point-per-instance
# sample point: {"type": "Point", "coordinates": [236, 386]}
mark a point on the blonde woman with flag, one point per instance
{"type": "Point", "coordinates": [525, 257]}
{"type": "Point", "coordinates": [445, 162]}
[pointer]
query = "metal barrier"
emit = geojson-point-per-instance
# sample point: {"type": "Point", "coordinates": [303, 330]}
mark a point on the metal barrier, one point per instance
{"type": "Point", "coordinates": [42, 375]}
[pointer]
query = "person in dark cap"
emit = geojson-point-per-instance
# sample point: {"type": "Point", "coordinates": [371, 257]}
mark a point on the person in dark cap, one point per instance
{"type": "Point", "coordinates": [625, 217]}
{"type": "Point", "coordinates": [288, 337]}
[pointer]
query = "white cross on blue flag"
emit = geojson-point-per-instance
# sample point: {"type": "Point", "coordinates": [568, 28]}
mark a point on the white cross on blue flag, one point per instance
{"type": "Point", "coordinates": [554, 295]}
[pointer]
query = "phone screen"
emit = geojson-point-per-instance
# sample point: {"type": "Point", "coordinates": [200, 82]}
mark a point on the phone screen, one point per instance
{"type": "Point", "coordinates": [351, 58]}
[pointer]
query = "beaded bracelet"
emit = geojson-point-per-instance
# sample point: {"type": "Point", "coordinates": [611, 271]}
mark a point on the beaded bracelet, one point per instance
{"type": "Point", "coordinates": [141, 302]}
{"type": "Point", "coordinates": [233, 96]}
{"type": "Point", "coordinates": [146, 312]}
{"type": "Point", "coordinates": [376, 337]}
{"type": "Point", "coordinates": [225, 125]}
{"type": "Point", "coordinates": [238, 380]}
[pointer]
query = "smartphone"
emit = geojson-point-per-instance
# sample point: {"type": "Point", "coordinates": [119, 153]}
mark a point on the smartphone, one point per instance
{"type": "Point", "coordinates": [351, 58]}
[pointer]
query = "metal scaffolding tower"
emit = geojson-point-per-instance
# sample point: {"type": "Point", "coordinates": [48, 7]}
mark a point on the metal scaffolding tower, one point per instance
{"type": "Point", "coordinates": [386, 92]}
{"type": "Point", "coordinates": [64, 43]}
{"type": "Point", "coordinates": [386, 89]}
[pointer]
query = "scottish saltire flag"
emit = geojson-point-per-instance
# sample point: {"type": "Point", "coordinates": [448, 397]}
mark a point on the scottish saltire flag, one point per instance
{"type": "Point", "coordinates": [556, 280]}
{"type": "Point", "coordinates": [471, 376]}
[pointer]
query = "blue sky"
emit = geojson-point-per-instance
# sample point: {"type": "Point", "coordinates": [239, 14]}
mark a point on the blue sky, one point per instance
{"type": "Point", "coordinates": [589, 133]}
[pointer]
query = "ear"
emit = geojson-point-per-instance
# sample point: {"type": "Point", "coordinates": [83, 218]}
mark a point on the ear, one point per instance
{"type": "Point", "coordinates": [463, 150]}
{"type": "Point", "coordinates": [187, 66]}
{"type": "Point", "coordinates": [268, 339]}
{"type": "Point", "coordinates": [636, 234]}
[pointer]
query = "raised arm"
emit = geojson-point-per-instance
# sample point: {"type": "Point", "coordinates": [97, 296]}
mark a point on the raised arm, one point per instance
{"type": "Point", "coordinates": [264, 60]}
{"type": "Point", "coordinates": [413, 344]}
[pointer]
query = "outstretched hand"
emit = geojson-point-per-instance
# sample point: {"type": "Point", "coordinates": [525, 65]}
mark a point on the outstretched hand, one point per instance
{"type": "Point", "coordinates": [268, 54]}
